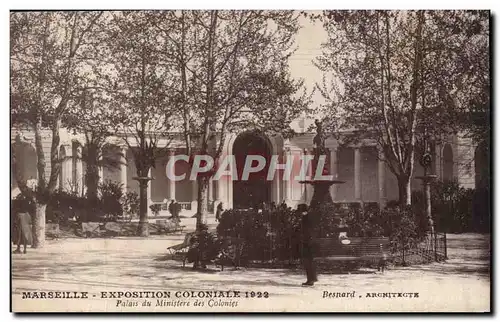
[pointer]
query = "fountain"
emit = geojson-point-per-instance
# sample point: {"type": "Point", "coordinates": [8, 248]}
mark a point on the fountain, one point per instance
{"type": "Point", "coordinates": [321, 198]}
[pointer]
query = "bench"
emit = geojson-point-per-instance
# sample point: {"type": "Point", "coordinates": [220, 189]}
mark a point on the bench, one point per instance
{"type": "Point", "coordinates": [231, 253]}
{"type": "Point", "coordinates": [181, 250]}
{"type": "Point", "coordinates": [112, 229]}
{"type": "Point", "coordinates": [90, 229]}
{"type": "Point", "coordinates": [52, 230]}
{"type": "Point", "coordinates": [169, 226]}
{"type": "Point", "coordinates": [374, 250]}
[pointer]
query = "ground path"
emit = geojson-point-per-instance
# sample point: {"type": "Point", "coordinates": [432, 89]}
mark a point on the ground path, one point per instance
{"type": "Point", "coordinates": [136, 264]}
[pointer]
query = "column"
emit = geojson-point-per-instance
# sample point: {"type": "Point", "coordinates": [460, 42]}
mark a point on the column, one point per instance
{"type": "Point", "coordinates": [381, 179]}
{"type": "Point", "coordinates": [287, 186]}
{"type": "Point", "coordinates": [210, 190]}
{"type": "Point", "coordinates": [194, 195]}
{"type": "Point", "coordinates": [78, 179]}
{"type": "Point", "coordinates": [69, 168]}
{"type": "Point", "coordinates": [333, 171]}
{"type": "Point", "coordinates": [357, 174]}
{"type": "Point", "coordinates": [171, 170]}
{"type": "Point", "coordinates": [101, 169]}
{"type": "Point", "coordinates": [123, 169]}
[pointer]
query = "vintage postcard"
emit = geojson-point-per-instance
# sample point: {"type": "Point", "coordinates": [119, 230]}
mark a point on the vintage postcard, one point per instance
{"type": "Point", "coordinates": [250, 161]}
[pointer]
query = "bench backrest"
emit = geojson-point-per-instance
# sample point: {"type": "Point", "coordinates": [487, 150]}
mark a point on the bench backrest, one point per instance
{"type": "Point", "coordinates": [90, 226]}
{"type": "Point", "coordinates": [359, 246]}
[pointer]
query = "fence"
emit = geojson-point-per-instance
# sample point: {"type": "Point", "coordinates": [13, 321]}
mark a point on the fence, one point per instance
{"type": "Point", "coordinates": [432, 248]}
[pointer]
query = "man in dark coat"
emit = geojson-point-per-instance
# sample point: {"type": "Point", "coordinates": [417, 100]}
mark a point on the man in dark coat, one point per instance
{"type": "Point", "coordinates": [171, 208]}
{"type": "Point", "coordinates": [308, 249]}
{"type": "Point", "coordinates": [218, 211]}
{"type": "Point", "coordinates": [22, 231]}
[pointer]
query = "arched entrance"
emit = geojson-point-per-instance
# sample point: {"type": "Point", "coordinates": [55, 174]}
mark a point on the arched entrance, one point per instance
{"type": "Point", "coordinates": [257, 189]}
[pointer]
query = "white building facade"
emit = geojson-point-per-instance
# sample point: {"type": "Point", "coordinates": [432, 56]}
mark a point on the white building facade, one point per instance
{"type": "Point", "coordinates": [367, 177]}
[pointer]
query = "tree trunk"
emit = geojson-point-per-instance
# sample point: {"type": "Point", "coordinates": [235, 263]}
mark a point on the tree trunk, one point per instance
{"type": "Point", "coordinates": [202, 208]}
{"type": "Point", "coordinates": [38, 227]}
{"type": "Point", "coordinates": [92, 172]}
{"type": "Point", "coordinates": [143, 228]}
{"type": "Point", "coordinates": [404, 187]}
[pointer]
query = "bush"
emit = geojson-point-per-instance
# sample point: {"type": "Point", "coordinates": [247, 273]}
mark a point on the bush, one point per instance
{"type": "Point", "coordinates": [268, 234]}
{"type": "Point", "coordinates": [205, 247]}
{"type": "Point", "coordinates": [130, 203]}
{"type": "Point", "coordinates": [452, 207]}
{"type": "Point", "coordinates": [63, 205]}
{"type": "Point", "coordinates": [110, 201]}
{"type": "Point", "coordinates": [155, 209]}
{"type": "Point", "coordinates": [402, 228]}
{"type": "Point", "coordinates": [22, 203]}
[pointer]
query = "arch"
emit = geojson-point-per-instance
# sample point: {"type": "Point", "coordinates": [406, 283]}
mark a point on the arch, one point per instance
{"type": "Point", "coordinates": [448, 163]}
{"type": "Point", "coordinates": [257, 189]}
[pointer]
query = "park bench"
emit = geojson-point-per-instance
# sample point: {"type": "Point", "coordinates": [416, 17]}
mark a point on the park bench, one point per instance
{"type": "Point", "coordinates": [231, 253]}
{"type": "Point", "coordinates": [52, 230]}
{"type": "Point", "coordinates": [90, 229]}
{"type": "Point", "coordinates": [373, 250]}
{"type": "Point", "coordinates": [112, 229]}
{"type": "Point", "coordinates": [169, 226]}
{"type": "Point", "coordinates": [181, 250]}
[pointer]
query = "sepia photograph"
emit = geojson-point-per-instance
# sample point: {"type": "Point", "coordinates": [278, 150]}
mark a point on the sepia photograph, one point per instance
{"type": "Point", "coordinates": [224, 161]}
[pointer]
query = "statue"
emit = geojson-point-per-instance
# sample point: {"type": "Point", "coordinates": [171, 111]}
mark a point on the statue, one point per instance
{"type": "Point", "coordinates": [319, 140]}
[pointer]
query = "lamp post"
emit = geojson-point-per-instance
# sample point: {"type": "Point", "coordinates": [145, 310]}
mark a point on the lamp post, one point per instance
{"type": "Point", "coordinates": [427, 179]}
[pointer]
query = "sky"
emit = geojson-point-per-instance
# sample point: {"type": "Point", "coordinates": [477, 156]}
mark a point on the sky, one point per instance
{"type": "Point", "coordinates": [308, 41]}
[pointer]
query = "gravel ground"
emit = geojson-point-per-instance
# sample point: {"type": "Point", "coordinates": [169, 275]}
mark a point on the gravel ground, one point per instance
{"type": "Point", "coordinates": [98, 265]}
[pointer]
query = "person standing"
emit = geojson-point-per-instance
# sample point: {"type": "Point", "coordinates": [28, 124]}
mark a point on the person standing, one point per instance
{"type": "Point", "coordinates": [172, 208]}
{"type": "Point", "coordinates": [23, 231]}
{"type": "Point", "coordinates": [218, 211]}
{"type": "Point", "coordinates": [308, 245]}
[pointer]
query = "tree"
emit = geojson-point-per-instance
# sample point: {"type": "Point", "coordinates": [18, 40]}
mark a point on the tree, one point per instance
{"type": "Point", "coordinates": [394, 79]}
{"type": "Point", "coordinates": [141, 95]}
{"type": "Point", "coordinates": [231, 73]}
{"type": "Point", "coordinates": [92, 116]}
{"type": "Point", "coordinates": [46, 59]}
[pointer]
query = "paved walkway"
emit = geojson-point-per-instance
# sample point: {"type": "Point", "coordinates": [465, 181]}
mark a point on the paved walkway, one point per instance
{"type": "Point", "coordinates": [136, 264]}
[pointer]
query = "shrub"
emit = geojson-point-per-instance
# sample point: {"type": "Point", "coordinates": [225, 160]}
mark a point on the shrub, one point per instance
{"type": "Point", "coordinates": [130, 203]}
{"type": "Point", "coordinates": [110, 201]}
{"type": "Point", "coordinates": [452, 207]}
{"type": "Point", "coordinates": [22, 203]}
{"type": "Point", "coordinates": [63, 205]}
{"type": "Point", "coordinates": [205, 247]}
{"type": "Point", "coordinates": [402, 228]}
{"type": "Point", "coordinates": [155, 209]}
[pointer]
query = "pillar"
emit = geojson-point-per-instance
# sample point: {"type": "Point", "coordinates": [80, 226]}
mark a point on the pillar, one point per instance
{"type": "Point", "coordinates": [194, 195]}
{"type": "Point", "coordinates": [333, 171]}
{"type": "Point", "coordinates": [287, 184]}
{"type": "Point", "coordinates": [123, 169]}
{"type": "Point", "coordinates": [357, 174]}
{"type": "Point", "coordinates": [79, 180]}
{"type": "Point", "coordinates": [381, 179]}
{"type": "Point", "coordinates": [101, 169]}
{"type": "Point", "coordinates": [211, 190]}
{"type": "Point", "coordinates": [171, 170]}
